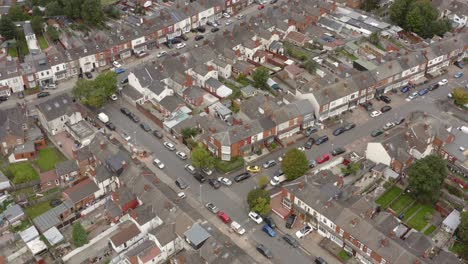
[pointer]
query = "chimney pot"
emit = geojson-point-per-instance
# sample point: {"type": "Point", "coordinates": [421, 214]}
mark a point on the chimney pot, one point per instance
{"type": "Point", "coordinates": [124, 164]}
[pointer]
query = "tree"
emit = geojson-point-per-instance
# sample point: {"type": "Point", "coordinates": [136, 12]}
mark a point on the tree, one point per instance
{"type": "Point", "coordinates": [36, 24]}
{"type": "Point", "coordinates": [399, 10]}
{"type": "Point", "coordinates": [91, 12]}
{"type": "Point", "coordinates": [95, 93]}
{"type": "Point", "coordinates": [351, 168]}
{"type": "Point", "coordinates": [72, 8]}
{"type": "Point", "coordinates": [262, 181]}
{"type": "Point", "coordinates": [426, 177]}
{"type": "Point", "coordinates": [460, 96]}
{"type": "Point", "coordinates": [374, 38]}
{"type": "Point", "coordinates": [53, 34]}
{"type": "Point", "coordinates": [7, 27]}
{"type": "Point", "coordinates": [189, 132]}
{"type": "Point", "coordinates": [310, 66]}
{"type": "Point", "coordinates": [80, 237]}
{"type": "Point", "coordinates": [260, 77]}
{"type": "Point", "coordinates": [294, 164]}
{"type": "Point", "coordinates": [259, 201]}
{"type": "Point", "coordinates": [16, 13]}
{"type": "Point", "coordinates": [37, 12]}
{"type": "Point", "coordinates": [201, 158]}
{"type": "Point", "coordinates": [369, 5]}
{"type": "Point", "coordinates": [463, 227]}
{"type": "Point", "coordinates": [53, 9]}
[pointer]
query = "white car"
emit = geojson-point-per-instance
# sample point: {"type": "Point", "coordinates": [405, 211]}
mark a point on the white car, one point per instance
{"type": "Point", "coordinates": [301, 149]}
{"type": "Point", "coordinates": [125, 135]}
{"type": "Point", "coordinates": [181, 45]}
{"type": "Point", "coordinates": [412, 96]}
{"type": "Point", "coordinates": [226, 15]}
{"type": "Point", "coordinates": [304, 231]}
{"type": "Point", "coordinates": [158, 163]}
{"type": "Point", "coordinates": [388, 126]}
{"type": "Point", "coordinates": [181, 195]}
{"type": "Point", "coordinates": [225, 181]}
{"type": "Point", "coordinates": [239, 17]}
{"type": "Point", "coordinates": [181, 155]}
{"type": "Point", "coordinates": [257, 218]}
{"type": "Point", "coordinates": [443, 82]}
{"type": "Point", "coordinates": [375, 113]}
{"type": "Point", "coordinates": [207, 171]}
{"type": "Point", "coordinates": [116, 64]}
{"type": "Point", "coordinates": [228, 22]}
{"type": "Point", "coordinates": [113, 97]}
{"type": "Point", "coordinates": [161, 53]}
{"type": "Point", "coordinates": [169, 146]}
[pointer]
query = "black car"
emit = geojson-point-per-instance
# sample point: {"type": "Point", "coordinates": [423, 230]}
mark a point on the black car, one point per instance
{"type": "Point", "coordinates": [199, 177]}
{"type": "Point", "coordinates": [433, 86]}
{"type": "Point", "coordinates": [269, 221]}
{"type": "Point", "coordinates": [3, 98]}
{"type": "Point", "coordinates": [339, 131]}
{"type": "Point", "coordinates": [43, 94]}
{"type": "Point", "coordinates": [214, 183]}
{"type": "Point", "coordinates": [338, 151]}
{"type": "Point", "coordinates": [168, 45]}
{"type": "Point", "coordinates": [349, 126]}
{"type": "Point", "coordinates": [55, 202]}
{"type": "Point", "coordinates": [399, 121]}
{"type": "Point", "coordinates": [145, 127]}
{"type": "Point", "coordinates": [377, 132]}
{"type": "Point", "coordinates": [134, 117]}
{"type": "Point", "coordinates": [215, 29]}
{"type": "Point", "coordinates": [367, 106]}
{"type": "Point", "coordinates": [242, 176]}
{"type": "Point", "coordinates": [310, 130]}
{"type": "Point", "coordinates": [183, 37]}
{"type": "Point", "coordinates": [385, 109]}
{"type": "Point", "coordinates": [291, 220]}
{"type": "Point", "coordinates": [110, 126]}
{"type": "Point", "coordinates": [319, 260]}
{"type": "Point", "coordinates": [175, 41]}
{"type": "Point", "coordinates": [309, 143]}
{"type": "Point", "coordinates": [125, 111]}
{"type": "Point", "coordinates": [386, 99]}
{"type": "Point", "coordinates": [321, 140]}
{"type": "Point", "coordinates": [201, 29]}
{"type": "Point", "coordinates": [199, 37]}
{"type": "Point", "coordinates": [264, 251]}
{"type": "Point", "coordinates": [291, 240]}
{"type": "Point", "coordinates": [181, 184]}
{"type": "Point", "coordinates": [158, 134]}
{"type": "Point", "coordinates": [88, 75]}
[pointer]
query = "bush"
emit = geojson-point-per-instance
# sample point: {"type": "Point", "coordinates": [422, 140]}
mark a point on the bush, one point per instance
{"type": "Point", "coordinates": [227, 166]}
{"type": "Point", "coordinates": [262, 181]}
{"type": "Point", "coordinates": [259, 201]}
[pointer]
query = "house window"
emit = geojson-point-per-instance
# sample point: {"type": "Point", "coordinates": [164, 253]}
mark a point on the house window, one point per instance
{"type": "Point", "coordinates": [57, 68]}
{"type": "Point", "coordinates": [324, 221]}
{"type": "Point", "coordinates": [368, 251]}
{"type": "Point", "coordinates": [286, 202]}
{"type": "Point", "coordinates": [57, 182]}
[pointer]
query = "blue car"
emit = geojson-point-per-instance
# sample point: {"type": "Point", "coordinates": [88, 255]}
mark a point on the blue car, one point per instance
{"type": "Point", "coordinates": [458, 75]}
{"type": "Point", "coordinates": [423, 92]}
{"type": "Point", "coordinates": [267, 229]}
{"type": "Point", "coordinates": [119, 70]}
{"type": "Point", "coordinates": [405, 89]}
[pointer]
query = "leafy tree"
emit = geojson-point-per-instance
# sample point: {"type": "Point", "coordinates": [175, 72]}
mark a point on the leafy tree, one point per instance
{"type": "Point", "coordinates": [95, 93]}
{"type": "Point", "coordinates": [36, 11]}
{"type": "Point", "coordinates": [72, 8]}
{"type": "Point", "coordinates": [463, 227]}
{"type": "Point", "coordinates": [310, 66]}
{"type": "Point", "coordinates": [53, 34]}
{"type": "Point", "coordinates": [80, 237]}
{"type": "Point", "coordinates": [7, 27]}
{"type": "Point", "coordinates": [53, 9]}
{"type": "Point", "coordinates": [426, 177]}
{"type": "Point", "coordinates": [374, 38]}
{"type": "Point", "coordinates": [294, 164]}
{"type": "Point", "coordinates": [108, 82]}
{"type": "Point", "coordinates": [369, 5]}
{"type": "Point", "coordinates": [91, 12]}
{"type": "Point", "coordinates": [399, 10]}
{"type": "Point", "coordinates": [36, 23]}
{"type": "Point", "coordinates": [260, 77]}
{"type": "Point", "coordinates": [112, 11]}
{"type": "Point", "coordinates": [259, 201]}
{"type": "Point", "coordinates": [262, 181]}
{"type": "Point", "coordinates": [189, 132]}
{"type": "Point", "coordinates": [16, 13]}
{"type": "Point", "coordinates": [460, 96]}
{"type": "Point", "coordinates": [201, 158]}
{"type": "Point", "coordinates": [351, 168]}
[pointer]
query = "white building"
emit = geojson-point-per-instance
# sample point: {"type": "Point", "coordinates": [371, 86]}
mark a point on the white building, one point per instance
{"type": "Point", "coordinates": [56, 112]}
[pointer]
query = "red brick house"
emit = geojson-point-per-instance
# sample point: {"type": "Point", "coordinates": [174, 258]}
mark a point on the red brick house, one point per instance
{"type": "Point", "coordinates": [82, 194]}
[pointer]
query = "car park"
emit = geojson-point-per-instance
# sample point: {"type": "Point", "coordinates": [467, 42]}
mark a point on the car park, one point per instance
{"type": "Point", "coordinates": [385, 109]}
{"type": "Point", "coordinates": [405, 89]}
{"type": "Point", "coordinates": [310, 130]}
{"type": "Point", "coordinates": [145, 127]}
{"type": "Point", "coordinates": [375, 113]}
{"type": "Point", "coordinates": [181, 184]}
{"type": "Point", "coordinates": [180, 45]}
{"type": "Point", "coordinates": [43, 94]}
{"type": "Point", "coordinates": [214, 183]}
{"type": "Point", "coordinates": [199, 37]}
{"type": "Point", "coordinates": [309, 143]}
{"type": "Point", "coordinates": [412, 96]}
{"type": "Point", "coordinates": [338, 151]}
{"type": "Point", "coordinates": [423, 92]}
{"type": "Point", "coordinates": [376, 132]}
{"type": "Point", "coordinates": [312, 163]}
{"type": "Point", "coordinates": [157, 134]}
{"type": "Point", "coordinates": [458, 75]}
{"type": "Point", "coordinates": [253, 169]}
{"type": "Point", "coordinates": [388, 126]}
{"type": "Point", "coordinates": [321, 140]}
{"type": "Point", "coordinates": [385, 98]}
{"type": "Point", "coordinates": [264, 251]}
{"type": "Point", "coordinates": [212, 208]}
{"type": "Point", "coordinates": [161, 53]}
{"type": "Point", "coordinates": [125, 135]}
{"type": "Point", "coordinates": [225, 181]}
{"type": "Point", "coordinates": [158, 163]}
{"type": "Point", "coordinates": [291, 240]}
{"type": "Point", "coordinates": [190, 168]}
{"type": "Point", "coordinates": [291, 221]}
{"type": "Point", "coordinates": [443, 82]}
{"type": "Point", "coordinates": [242, 177]}
{"type": "Point", "coordinates": [269, 221]}
{"type": "Point", "coordinates": [349, 126]}
{"type": "Point", "coordinates": [269, 164]}
{"type": "Point", "coordinates": [224, 217]}
{"type": "Point", "coordinates": [200, 178]}
{"type": "Point", "coordinates": [339, 131]}
{"type": "Point", "coordinates": [181, 155]}
{"type": "Point", "coordinates": [169, 145]}
{"type": "Point", "coordinates": [255, 217]}
{"type": "Point", "coordinates": [433, 86]}
{"type": "Point", "coordinates": [304, 231]}
{"type": "Point", "coordinates": [125, 111]}
{"type": "Point", "coordinates": [322, 159]}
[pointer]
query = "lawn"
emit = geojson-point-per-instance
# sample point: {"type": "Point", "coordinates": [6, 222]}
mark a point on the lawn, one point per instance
{"type": "Point", "coordinates": [385, 199]}
{"type": "Point", "coordinates": [13, 52]}
{"type": "Point", "coordinates": [402, 203]}
{"type": "Point", "coordinates": [457, 248]}
{"type": "Point", "coordinates": [42, 42]}
{"type": "Point", "coordinates": [37, 209]}
{"type": "Point", "coordinates": [22, 172]}
{"type": "Point", "coordinates": [348, 55]}
{"type": "Point", "coordinates": [429, 230]}
{"type": "Point", "coordinates": [419, 221]}
{"type": "Point", "coordinates": [227, 166]}
{"type": "Point", "coordinates": [343, 255]}
{"type": "Point", "coordinates": [108, 2]}
{"type": "Point", "coordinates": [411, 211]}
{"type": "Point", "coordinates": [47, 158]}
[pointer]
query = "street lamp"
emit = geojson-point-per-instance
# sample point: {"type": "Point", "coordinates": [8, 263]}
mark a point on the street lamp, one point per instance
{"type": "Point", "coordinates": [331, 146]}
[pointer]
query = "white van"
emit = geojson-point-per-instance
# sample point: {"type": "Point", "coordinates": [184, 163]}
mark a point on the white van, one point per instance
{"type": "Point", "coordinates": [103, 117]}
{"type": "Point", "coordinates": [278, 179]}
{"type": "Point", "coordinates": [238, 228]}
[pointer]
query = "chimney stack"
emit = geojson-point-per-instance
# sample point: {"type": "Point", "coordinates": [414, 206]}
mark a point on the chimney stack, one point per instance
{"type": "Point", "coordinates": [124, 164]}
{"type": "Point", "coordinates": [102, 144]}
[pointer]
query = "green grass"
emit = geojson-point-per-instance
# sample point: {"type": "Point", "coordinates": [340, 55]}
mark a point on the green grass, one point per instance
{"type": "Point", "coordinates": [42, 42]}
{"type": "Point", "coordinates": [47, 158]}
{"type": "Point", "coordinates": [23, 45]}
{"type": "Point", "coordinates": [429, 230]}
{"type": "Point", "coordinates": [22, 226]}
{"type": "Point", "coordinates": [418, 221]}
{"type": "Point", "coordinates": [348, 55]}
{"type": "Point", "coordinates": [22, 172]}
{"type": "Point", "coordinates": [457, 248]}
{"type": "Point", "coordinates": [343, 255]}
{"type": "Point", "coordinates": [37, 209]}
{"type": "Point", "coordinates": [13, 52]}
{"type": "Point", "coordinates": [108, 2]}
{"type": "Point", "coordinates": [227, 166]}
{"type": "Point", "coordinates": [385, 199]}
{"type": "Point", "coordinates": [402, 203]}
{"type": "Point", "coordinates": [411, 211]}
{"type": "Point", "coordinates": [236, 91]}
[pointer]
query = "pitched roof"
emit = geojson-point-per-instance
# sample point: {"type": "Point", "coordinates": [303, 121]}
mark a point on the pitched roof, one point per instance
{"type": "Point", "coordinates": [143, 214]}
{"type": "Point", "coordinates": [58, 106]}
{"type": "Point", "coordinates": [11, 122]}
{"type": "Point", "coordinates": [123, 195]}
{"type": "Point", "coordinates": [66, 167]}
{"type": "Point", "coordinates": [165, 233]}
{"type": "Point", "coordinates": [146, 251]}
{"type": "Point", "coordinates": [126, 232]}
{"type": "Point", "coordinates": [81, 190]}
{"type": "Point", "coordinates": [197, 234]}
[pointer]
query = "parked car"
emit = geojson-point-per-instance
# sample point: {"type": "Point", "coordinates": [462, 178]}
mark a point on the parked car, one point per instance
{"type": "Point", "coordinates": [312, 163]}
{"type": "Point", "coordinates": [433, 86]}
{"type": "Point", "coordinates": [110, 126]}
{"type": "Point", "coordinates": [376, 132]}
{"type": "Point", "coordinates": [269, 164]}
{"type": "Point", "coordinates": [310, 130]}
{"type": "Point", "coordinates": [242, 177]}
{"type": "Point", "coordinates": [239, 17]}
{"type": "Point", "coordinates": [443, 82]}
{"type": "Point", "coordinates": [349, 126]}
{"type": "Point", "coordinates": [145, 127]}
{"type": "Point", "coordinates": [207, 171]}
{"type": "Point", "coordinates": [253, 169]}
{"type": "Point", "coordinates": [301, 149]}
{"type": "Point", "coordinates": [225, 181]}
{"type": "Point", "coordinates": [43, 94]}
{"type": "Point", "coordinates": [321, 140]}
{"type": "Point", "coordinates": [125, 135]}
{"type": "Point", "coordinates": [161, 53]}
{"type": "Point", "coordinates": [270, 231]}
{"type": "Point", "coordinates": [412, 96]}
{"type": "Point", "coordinates": [386, 99]}
{"type": "Point", "coordinates": [181, 183]}
{"type": "Point", "coordinates": [322, 159]}
{"type": "Point", "coordinates": [388, 126]}
{"type": "Point", "coordinates": [339, 131]}
{"type": "Point", "coordinates": [375, 113]}
{"type": "Point", "coordinates": [88, 75]}
{"type": "Point", "coordinates": [200, 178]}
{"type": "Point", "coordinates": [423, 92]}
{"type": "Point", "coordinates": [399, 120]}
{"type": "Point", "coordinates": [116, 64]}
{"type": "Point", "coordinates": [199, 37]}
{"type": "Point", "coordinates": [169, 145]}
{"type": "Point", "coordinates": [269, 221]}
{"type": "Point", "coordinates": [190, 168]}
{"type": "Point", "coordinates": [181, 155]}
{"type": "Point", "coordinates": [255, 217]}
{"type": "Point", "coordinates": [458, 75]}
{"type": "Point", "coordinates": [260, 7]}
{"type": "Point", "coordinates": [158, 163]}
{"type": "Point", "coordinates": [291, 240]}
{"type": "Point", "coordinates": [338, 151]}
{"type": "Point", "coordinates": [291, 220]}
{"type": "Point", "coordinates": [319, 260]}
{"type": "Point", "coordinates": [119, 70]}
{"type": "Point", "coordinates": [264, 251]}
{"type": "Point", "coordinates": [180, 46]}
{"type": "Point", "coordinates": [405, 89]}
{"type": "Point", "coordinates": [215, 29]}
{"type": "Point", "coordinates": [304, 231]}
{"type": "Point", "coordinates": [113, 97]}
{"type": "Point", "coordinates": [224, 217]}
{"type": "Point", "coordinates": [212, 208]}
{"type": "Point", "coordinates": [309, 143]}
{"type": "Point", "coordinates": [214, 183]}
{"type": "Point", "coordinates": [134, 117]}
{"type": "Point", "coordinates": [125, 111]}
{"type": "Point", "coordinates": [158, 134]}
{"type": "Point", "coordinates": [226, 15]}
{"type": "Point", "coordinates": [237, 228]}
{"type": "Point", "coordinates": [367, 106]}
{"type": "Point", "coordinates": [459, 64]}
{"type": "Point", "coordinates": [385, 109]}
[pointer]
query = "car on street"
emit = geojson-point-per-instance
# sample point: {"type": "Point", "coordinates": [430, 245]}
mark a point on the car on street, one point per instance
{"type": "Point", "coordinates": [388, 126]}
{"type": "Point", "coordinates": [181, 195]}
{"type": "Point", "coordinates": [207, 171]}
{"type": "Point", "coordinates": [158, 134]}
{"type": "Point", "coordinates": [433, 86]}
{"type": "Point", "coordinates": [269, 221]}
{"type": "Point", "coordinates": [161, 53]}
{"type": "Point", "coordinates": [385, 98]}
{"type": "Point", "coordinates": [375, 113]}
{"type": "Point", "coordinates": [253, 169]}
{"type": "Point", "coordinates": [458, 75]}
{"type": "Point", "coordinates": [228, 22]}
{"type": "Point", "coordinates": [200, 178]}
{"type": "Point", "coordinates": [273, 2]}
{"type": "Point", "coordinates": [405, 89]}
{"type": "Point", "coordinates": [214, 183]}
{"type": "Point", "coordinates": [399, 121]}
{"type": "Point", "coordinates": [304, 231]}
{"type": "Point", "coordinates": [43, 94]}
{"type": "Point", "coordinates": [215, 29]}
{"type": "Point", "coordinates": [291, 240]}
{"type": "Point", "coordinates": [169, 145]}
{"type": "Point", "coordinates": [319, 260]}
{"type": "Point", "coordinates": [291, 220]}
{"type": "Point", "coordinates": [145, 127]}
{"type": "Point", "coordinates": [114, 97]}
{"type": "Point", "coordinates": [385, 108]}
{"type": "Point", "coordinates": [199, 37]}
{"type": "Point", "coordinates": [269, 164]}
{"type": "Point", "coordinates": [158, 163]}
{"type": "Point", "coordinates": [367, 105]}
{"type": "Point", "coordinates": [242, 177]}
{"type": "Point", "coordinates": [239, 17]}
{"type": "Point", "coordinates": [224, 217]}
{"type": "Point", "coordinates": [309, 143]}
{"type": "Point", "coordinates": [125, 111]}
{"type": "Point", "coordinates": [377, 132]}
{"type": "Point", "coordinates": [412, 96]}
{"type": "Point", "coordinates": [459, 64]}
{"type": "Point", "coordinates": [134, 117]}
{"type": "Point", "coordinates": [181, 45]}
{"type": "Point", "coordinates": [443, 82]}
{"type": "Point", "coordinates": [116, 64]}
{"type": "Point", "coordinates": [349, 126]}
{"type": "Point", "coordinates": [225, 181]}
{"type": "Point", "coordinates": [312, 163]}
{"type": "Point", "coordinates": [181, 155]}
{"type": "Point", "coordinates": [310, 130]}
{"type": "Point", "coordinates": [191, 169]}
{"type": "Point", "coordinates": [212, 208]}
{"type": "Point", "coordinates": [201, 29]}
{"type": "Point", "coordinates": [125, 135]}
{"type": "Point", "coordinates": [110, 126]}
{"type": "Point", "coordinates": [119, 70]}
{"type": "Point", "coordinates": [181, 183]}
{"type": "Point", "coordinates": [88, 75]}
{"type": "Point", "coordinates": [338, 151]}
{"type": "Point", "coordinates": [264, 251]}
{"type": "Point", "coordinates": [339, 131]}
{"type": "Point", "coordinates": [321, 140]}
{"type": "Point", "coordinates": [260, 7]}
{"type": "Point", "coordinates": [270, 231]}
{"type": "Point", "coordinates": [226, 15]}
{"type": "Point", "coordinates": [423, 92]}
{"type": "Point", "coordinates": [255, 217]}
{"type": "Point", "coordinates": [301, 148]}
{"type": "Point", "coordinates": [322, 159]}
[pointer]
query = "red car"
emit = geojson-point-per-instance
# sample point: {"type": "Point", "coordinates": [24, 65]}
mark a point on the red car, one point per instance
{"type": "Point", "coordinates": [322, 159]}
{"type": "Point", "coordinates": [224, 217]}
{"type": "Point", "coordinates": [260, 7]}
